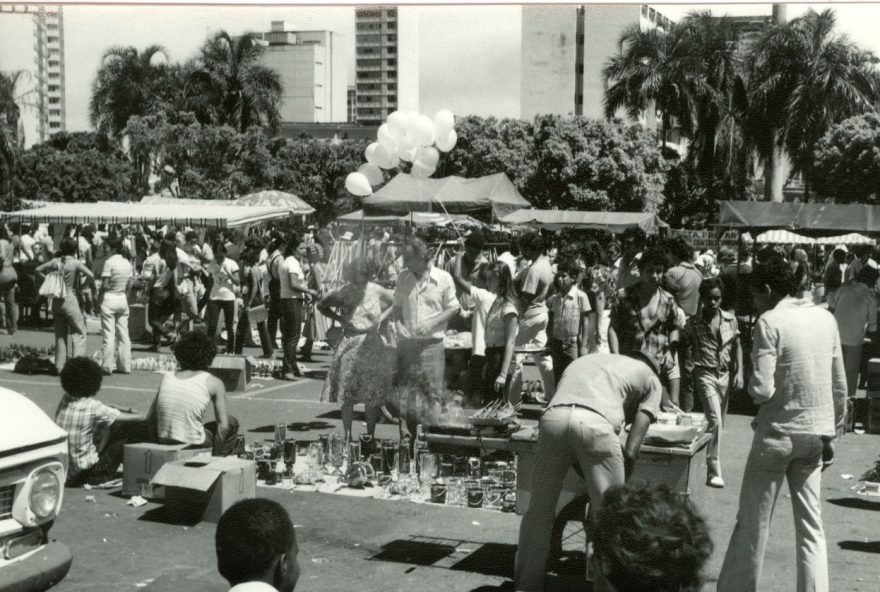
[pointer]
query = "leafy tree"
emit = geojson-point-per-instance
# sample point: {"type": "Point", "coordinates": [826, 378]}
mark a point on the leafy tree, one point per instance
{"type": "Point", "coordinates": [847, 161]}
{"type": "Point", "coordinates": [592, 165]}
{"type": "Point", "coordinates": [232, 87]}
{"type": "Point", "coordinates": [11, 134]}
{"type": "Point", "coordinates": [654, 69]}
{"type": "Point", "coordinates": [804, 78]}
{"type": "Point", "coordinates": [129, 83]}
{"type": "Point", "coordinates": [78, 167]}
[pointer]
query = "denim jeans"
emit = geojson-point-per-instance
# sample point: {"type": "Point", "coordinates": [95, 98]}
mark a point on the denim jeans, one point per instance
{"type": "Point", "coordinates": [291, 329]}
{"type": "Point", "coordinates": [116, 352]}
{"type": "Point", "coordinates": [533, 331]}
{"type": "Point", "coordinates": [227, 307]}
{"type": "Point", "coordinates": [243, 332]}
{"type": "Point", "coordinates": [775, 456]}
{"type": "Point", "coordinates": [69, 322]}
{"type": "Point", "coordinates": [566, 435]}
{"type": "Point", "coordinates": [712, 389]}
{"type": "Point", "coordinates": [563, 352]}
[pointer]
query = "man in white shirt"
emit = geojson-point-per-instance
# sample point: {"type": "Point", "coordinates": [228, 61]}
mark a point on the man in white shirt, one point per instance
{"type": "Point", "coordinates": [256, 547]}
{"type": "Point", "coordinates": [292, 293]}
{"type": "Point", "coordinates": [799, 385]}
{"type": "Point", "coordinates": [855, 310]}
{"type": "Point", "coordinates": [424, 302]}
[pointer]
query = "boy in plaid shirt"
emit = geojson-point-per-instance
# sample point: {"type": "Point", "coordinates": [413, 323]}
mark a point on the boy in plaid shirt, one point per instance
{"type": "Point", "coordinates": [567, 328]}
{"type": "Point", "coordinates": [710, 346]}
{"type": "Point", "coordinates": [96, 433]}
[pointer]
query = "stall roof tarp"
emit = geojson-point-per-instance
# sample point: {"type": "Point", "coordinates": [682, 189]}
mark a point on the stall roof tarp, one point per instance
{"type": "Point", "coordinates": [417, 218]}
{"type": "Point", "coordinates": [264, 199]}
{"type": "Point", "coordinates": [785, 237]}
{"type": "Point", "coordinates": [615, 222]}
{"type": "Point", "coordinates": [800, 216]}
{"type": "Point", "coordinates": [141, 213]}
{"type": "Point", "coordinates": [405, 193]}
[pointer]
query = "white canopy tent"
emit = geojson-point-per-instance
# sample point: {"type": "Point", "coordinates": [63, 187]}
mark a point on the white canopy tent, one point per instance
{"type": "Point", "coordinates": [154, 214]}
{"type": "Point", "coordinates": [786, 237]}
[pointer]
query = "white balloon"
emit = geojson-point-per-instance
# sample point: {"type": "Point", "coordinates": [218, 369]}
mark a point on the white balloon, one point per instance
{"type": "Point", "coordinates": [444, 120]}
{"type": "Point", "coordinates": [425, 130]}
{"type": "Point", "coordinates": [406, 146]}
{"type": "Point", "coordinates": [397, 122]}
{"type": "Point", "coordinates": [395, 161]}
{"type": "Point", "coordinates": [447, 142]}
{"type": "Point", "coordinates": [428, 156]}
{"type": "Point", "coordinates": [370, 152]}
{"type": "Point", "coordinates": [421, 170]}
{"type": "Point", "coordinates": [407, 155]}
{"type": "Point", "coordinates": [372, 172]}
{"type": "Point", "coordinates": [382, 156]}
{"type": "Point", "coordinates": [357, 184]}
{"type": "Point", "coordinates": [386, 138]}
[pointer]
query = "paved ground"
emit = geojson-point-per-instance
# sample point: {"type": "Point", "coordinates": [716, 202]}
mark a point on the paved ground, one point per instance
{"type": "Point", "coordinates": [390, 546]}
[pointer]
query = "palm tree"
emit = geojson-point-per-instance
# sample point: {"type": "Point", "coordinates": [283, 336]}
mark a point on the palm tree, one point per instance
{"type": "Point", "coordinates": [127, 84]}
{"type": "Point", "coordinates": [654, 69]}
{"type": "Point", "coordinates": [232, 87]}
{"type": "Point", "coordinates": [804, 80]}
{"type": "Point", "coordinates": [11, 133]}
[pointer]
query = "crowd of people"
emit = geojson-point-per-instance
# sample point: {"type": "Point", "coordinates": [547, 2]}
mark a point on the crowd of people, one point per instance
{"type": "Point", "coordinates": [618, 331]}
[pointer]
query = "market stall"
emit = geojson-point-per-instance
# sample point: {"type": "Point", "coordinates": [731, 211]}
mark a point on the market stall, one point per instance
{"type": "Point", "coordinates": [260, 199]}
{"type": "Point", "coordinates": [614, 222]}
{"type": "Point", "coordinates": [405, 193]}
{"type": "Point", "coordinates": [149, 214]}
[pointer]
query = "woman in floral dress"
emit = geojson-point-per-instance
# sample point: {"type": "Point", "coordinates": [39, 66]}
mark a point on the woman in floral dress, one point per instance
{"type": "Point", "coordinates": [361, 370]}
{"type": "Point", "coordinates": [600, 286]}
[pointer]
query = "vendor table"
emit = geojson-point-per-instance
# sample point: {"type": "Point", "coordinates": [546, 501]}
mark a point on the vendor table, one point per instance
{"type": "Point", "coordinates": [683, 469]}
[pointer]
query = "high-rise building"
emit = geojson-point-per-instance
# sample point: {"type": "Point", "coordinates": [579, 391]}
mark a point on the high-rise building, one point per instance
{"type": "Point", "coordinates": [43, 87]}
{"type": "Point", "coordinates": [352, 104]}
{"type": "Point", "coordinates": [564, 49]}
{"type": "Point", "coordinates": [313, 73]}
{"type": "Point", "coordinates": [387, 58]}
{"type": "Point", "coordinates": [750, 28]}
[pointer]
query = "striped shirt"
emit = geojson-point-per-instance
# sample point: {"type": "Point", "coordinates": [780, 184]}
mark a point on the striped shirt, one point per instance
{"type": "Point", "coordinates": [82, 419]}
{"type": "Point", "coordinates": [707, 347]}
{"type": "Point", "coordinates": [180, 407]}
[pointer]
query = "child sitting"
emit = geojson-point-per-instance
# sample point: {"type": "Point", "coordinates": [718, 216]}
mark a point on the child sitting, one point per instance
{"type": "Point", "coordinates": [96, 433]}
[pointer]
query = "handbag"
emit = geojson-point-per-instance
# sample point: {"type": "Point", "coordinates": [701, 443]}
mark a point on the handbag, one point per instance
{"type": "Point", "coordinates": [53, 285]}
{"type": "Point", "coordinates": [258, 314]}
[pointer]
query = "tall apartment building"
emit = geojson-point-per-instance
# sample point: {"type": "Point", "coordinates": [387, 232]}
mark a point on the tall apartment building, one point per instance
{"type": "Point", "coordinates": [387, 62]}
{"type": "Point", "coordinates": [44, 111]}
{"type": "Point", "coordinates": [313, 72]}
{"type": "Point", "coordinates": [352, 104]}
{"type": "Point", "coordinates": [564, 49]}
{"type": "Point", "coordinates": [750, 28]}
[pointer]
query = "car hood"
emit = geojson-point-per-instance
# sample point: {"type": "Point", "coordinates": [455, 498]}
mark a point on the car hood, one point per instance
{"type": "Point", "coordinates": [23, 424]}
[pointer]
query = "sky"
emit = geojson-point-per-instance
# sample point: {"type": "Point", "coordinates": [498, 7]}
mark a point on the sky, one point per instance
{"type": "Point", "coordinates": [469, 55]}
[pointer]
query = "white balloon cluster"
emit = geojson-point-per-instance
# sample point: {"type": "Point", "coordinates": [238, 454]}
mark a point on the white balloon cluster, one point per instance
{"type": "Point", "coordinates": [408, 137]}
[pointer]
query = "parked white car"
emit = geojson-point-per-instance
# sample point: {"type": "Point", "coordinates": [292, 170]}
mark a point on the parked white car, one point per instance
{"type": "Point", "coordinates": [33, 469]}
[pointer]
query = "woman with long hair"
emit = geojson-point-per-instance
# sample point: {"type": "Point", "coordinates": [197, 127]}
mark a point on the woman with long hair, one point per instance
{"type": "Point", "coordinates": [251, 296]}
{"type": "Point", "coordinates": [361, 370]}
{"type": "Point", "coordinates": [66, 312]}
{"type": "Point", "coordinates": [117, 277]}
{"type": "Point", "coordinates": [315, 278]}
{"type": "Point", "coordinates": [8, 281]}
{"type": "Point", "coordinates": [224, 285]}
{"type": "Point", "coordinates": [502, 325]}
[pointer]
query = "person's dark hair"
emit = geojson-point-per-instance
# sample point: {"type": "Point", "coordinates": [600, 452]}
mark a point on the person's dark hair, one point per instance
{"type": "Point", "coordinates": [115, 243]}
{"type": "Point", "coordinates": [291, 245]}
{"type": "Point", "coordinates": [219, 248]}
{"type": "Point", "coordinates": [680, 249]}
{"type": "Point", "coordinates": [531, 241]}
{"type": "Point", "coordinates": [168, 252]}
{"type": "Point", "coordinates": [87, 233]}
{"type": "Point", "coordinates": [570, 268]}
{"type": "Point", "coordinates": [868, 275]}
{"type": "Point", "coordinates": [650, 539]}
{"type": "Point", "coordinates": [635, 236]}
{"type": "Point", "coordinates": [68, 247]}
{"type": "Point", "coordinates": [777, 274]}
{"type": "Point", "coordinates": [475, 240]}
{"type": "Point", "coordinates": [195, 351]}
{"type": "Point", "coordinates": [81, 377]}
{"type": "Point", "coordinates": [594, 254]}
{"type": "Point", "coordinates": [652, 258]}
{"type": "Point", "coordinates": [839, 255]}
{"type": "Point", "coordinates": [513, 246]}
{"type": "Point", "coordinates": [250, 536]}
{"type": "Point", "coordinates": [191, 235]}
{"type": "Point", "coordinates": [709, 284]}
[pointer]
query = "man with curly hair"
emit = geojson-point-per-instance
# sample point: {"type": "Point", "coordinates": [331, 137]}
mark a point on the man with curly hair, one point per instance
{"type": "Point", "coordinates": [649, 539]}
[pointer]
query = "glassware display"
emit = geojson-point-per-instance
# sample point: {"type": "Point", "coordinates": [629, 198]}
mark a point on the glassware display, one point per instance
{"type": "Point", "coordinates": [427, 468]}
{"type": "Point", "coordinates": [337, 454]}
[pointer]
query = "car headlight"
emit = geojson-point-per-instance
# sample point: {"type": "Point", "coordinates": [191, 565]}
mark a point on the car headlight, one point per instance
{"type": "Point", "coordinates": [45, 493]}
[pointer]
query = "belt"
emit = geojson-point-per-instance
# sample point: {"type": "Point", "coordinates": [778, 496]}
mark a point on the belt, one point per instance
{"type": "Point", "coordinates": [572, 406]}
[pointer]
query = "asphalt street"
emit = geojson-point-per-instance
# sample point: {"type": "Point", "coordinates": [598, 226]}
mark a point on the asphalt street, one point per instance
{"type": "Point", "coordinates": [350, 543]}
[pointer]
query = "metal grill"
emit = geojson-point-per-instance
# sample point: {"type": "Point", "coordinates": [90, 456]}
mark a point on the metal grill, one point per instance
{"type": "Point", "coordinates": [7, 496]}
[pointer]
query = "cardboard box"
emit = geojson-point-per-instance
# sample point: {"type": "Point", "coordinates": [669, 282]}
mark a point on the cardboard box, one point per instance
{"type": "Point", "coordinates": [138, 329]}
{"type": "Point", "coordinates": [142, 461]}
{"type": "Point", "coordinates": [234, 371]}
{"type": "Point", "coordinates": [204, 486]}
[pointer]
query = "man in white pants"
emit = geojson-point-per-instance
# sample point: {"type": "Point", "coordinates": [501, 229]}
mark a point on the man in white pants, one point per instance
{"type": "Point", "coordinates": [799, 382]}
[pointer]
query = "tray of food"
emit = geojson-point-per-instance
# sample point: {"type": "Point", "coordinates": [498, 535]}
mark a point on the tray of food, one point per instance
{"type": "Point", "coordinates": [498, 413]}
